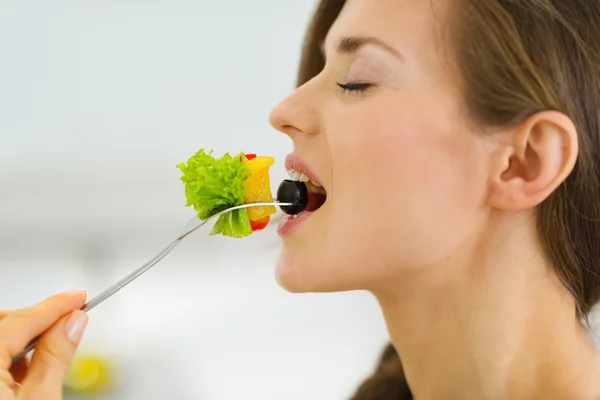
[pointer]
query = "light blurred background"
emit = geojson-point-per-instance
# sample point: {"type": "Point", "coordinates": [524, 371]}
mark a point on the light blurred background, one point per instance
{"type": "Point", "coordinates": [99, 100]}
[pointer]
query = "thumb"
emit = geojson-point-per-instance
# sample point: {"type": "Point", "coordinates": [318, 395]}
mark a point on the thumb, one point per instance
{"type": "Point", "coordinates": [53, 356]}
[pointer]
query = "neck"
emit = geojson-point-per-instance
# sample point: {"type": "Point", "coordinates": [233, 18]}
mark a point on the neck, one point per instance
{"type": "Point", "coordinates": [497, 329]}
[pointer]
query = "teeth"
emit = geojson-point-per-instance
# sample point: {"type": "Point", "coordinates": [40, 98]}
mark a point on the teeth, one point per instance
{"type": "Point", "coordinates": [304, 178]}
{"type": "Point", "coordinates": [292, 174]}
{"type": "Point", "coordinates": [300, 177]}
{"type": "Point", "coordinates": [299, 214]}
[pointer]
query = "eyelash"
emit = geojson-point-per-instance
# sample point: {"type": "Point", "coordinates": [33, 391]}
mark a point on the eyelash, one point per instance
{"type": "Point", "coordinates": [353, 87]}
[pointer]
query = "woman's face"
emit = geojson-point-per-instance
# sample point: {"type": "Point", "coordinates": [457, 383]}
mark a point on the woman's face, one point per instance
{"type": "Point", "coordinates": [404, 175]}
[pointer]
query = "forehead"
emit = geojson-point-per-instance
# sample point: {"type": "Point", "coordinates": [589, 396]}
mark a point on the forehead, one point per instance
{"type": "Point", "coordinates": [410, 26]}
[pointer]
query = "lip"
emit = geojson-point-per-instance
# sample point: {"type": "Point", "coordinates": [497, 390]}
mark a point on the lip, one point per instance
{"type": "Point", "coordinates": [293, 161]}
{"type": "Point", "coordinates": [290, 223]}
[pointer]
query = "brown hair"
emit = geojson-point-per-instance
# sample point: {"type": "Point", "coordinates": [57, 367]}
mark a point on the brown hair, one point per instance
{"type": "Point", "coordinates": [516, 58]}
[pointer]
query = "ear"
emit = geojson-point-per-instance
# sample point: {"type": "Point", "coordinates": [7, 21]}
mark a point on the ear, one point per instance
{"type": "Point", "coordinates": [541, 153]}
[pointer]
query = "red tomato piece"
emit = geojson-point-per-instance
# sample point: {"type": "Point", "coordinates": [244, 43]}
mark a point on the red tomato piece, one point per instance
{"type": "Point", "coordinates": [260, 224]}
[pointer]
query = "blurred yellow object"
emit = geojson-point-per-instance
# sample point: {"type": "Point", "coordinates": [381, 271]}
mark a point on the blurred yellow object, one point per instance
{"type": "Point", "coordinates": [89, 374]}
{"type": "Point", "coordinates": [258, 187]}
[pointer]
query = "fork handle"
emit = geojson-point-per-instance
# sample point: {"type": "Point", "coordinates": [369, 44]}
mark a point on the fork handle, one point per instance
{"type": "Point", "coordinates": [135, 274]}
{"type": "Point", "coordinates": [108, 292]}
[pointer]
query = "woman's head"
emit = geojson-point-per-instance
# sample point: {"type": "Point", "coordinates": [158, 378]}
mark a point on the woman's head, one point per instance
{"type": "Point", "coordinates": [435, 126]}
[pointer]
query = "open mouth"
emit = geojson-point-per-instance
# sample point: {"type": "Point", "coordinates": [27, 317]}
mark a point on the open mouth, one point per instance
{"type": "Point", "coordinates": [317, 195]}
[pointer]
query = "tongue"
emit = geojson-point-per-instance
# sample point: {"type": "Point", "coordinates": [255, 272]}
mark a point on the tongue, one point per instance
{"type": "Point", "coordinates": [315, 200]}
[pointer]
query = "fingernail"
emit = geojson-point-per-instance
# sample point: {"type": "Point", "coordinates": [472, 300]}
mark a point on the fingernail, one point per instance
{"type": "Point", "coordinates": [78, 293]}
{"type": "Point", "coordinates": [75, 326]}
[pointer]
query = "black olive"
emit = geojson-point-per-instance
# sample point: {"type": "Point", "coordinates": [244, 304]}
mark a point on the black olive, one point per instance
{"type": "Point", "coordinates": [293, 192]}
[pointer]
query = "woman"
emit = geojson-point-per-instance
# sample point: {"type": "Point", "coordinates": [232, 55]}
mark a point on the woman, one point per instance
{"type": "Point", "coordinates": [458, 142]}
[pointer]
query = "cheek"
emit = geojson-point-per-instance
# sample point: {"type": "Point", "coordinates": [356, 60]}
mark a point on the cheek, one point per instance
{"type": "Point", "coordinates": [404, 174]}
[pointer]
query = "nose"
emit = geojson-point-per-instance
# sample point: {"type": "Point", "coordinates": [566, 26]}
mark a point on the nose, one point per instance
{"type": "Point", "coordinates": [297, 114]}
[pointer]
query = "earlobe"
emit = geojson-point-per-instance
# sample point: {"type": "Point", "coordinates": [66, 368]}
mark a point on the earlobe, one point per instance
{"type": "Point", "coordinates": [541, 153]}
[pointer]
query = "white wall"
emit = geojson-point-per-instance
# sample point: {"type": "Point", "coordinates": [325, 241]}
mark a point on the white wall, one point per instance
{"type": "Point", "coordinates": [99, 100]}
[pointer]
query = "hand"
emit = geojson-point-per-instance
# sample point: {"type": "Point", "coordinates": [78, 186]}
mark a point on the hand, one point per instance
{"type": "Point", "coordinates": [42, 377]}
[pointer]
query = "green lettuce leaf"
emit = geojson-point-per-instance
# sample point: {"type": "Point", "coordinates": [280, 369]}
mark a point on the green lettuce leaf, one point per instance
{"type": "Point", "coordinates": [235, 224]}
{"type": "Point", "coordinates": [215, 184]}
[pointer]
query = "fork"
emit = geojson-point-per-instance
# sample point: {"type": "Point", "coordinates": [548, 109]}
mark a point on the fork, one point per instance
{"type": "Point", "coordinates": [152, 262]}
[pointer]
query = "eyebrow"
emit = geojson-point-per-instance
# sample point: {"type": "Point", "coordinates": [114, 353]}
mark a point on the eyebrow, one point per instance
{"type": "Point", "coordinates": [351, 44]}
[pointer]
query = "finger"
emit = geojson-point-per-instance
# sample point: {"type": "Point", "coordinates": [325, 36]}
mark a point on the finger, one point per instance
{"type": "Point", "coordinates": [20, 368]}
{"type": "Point", "coordinates": [7, 391]}
{"type": "Point", "coordinates": [7, 380]}
{"type": "Point", "coordinates": [53, 357]}
{"type": "Point", "coordinates": [20, 326]}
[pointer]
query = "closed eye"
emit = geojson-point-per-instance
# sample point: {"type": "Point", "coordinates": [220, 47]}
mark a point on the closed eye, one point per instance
{"type": "Point", "coordinates": [353, 87]}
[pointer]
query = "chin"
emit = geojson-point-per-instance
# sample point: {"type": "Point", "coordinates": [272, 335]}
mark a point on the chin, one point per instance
{"type": "Point", "coordinates": [293, 275]}
{"type": "Point", "coordinates": [296, 273]}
